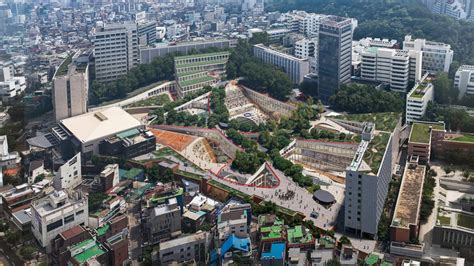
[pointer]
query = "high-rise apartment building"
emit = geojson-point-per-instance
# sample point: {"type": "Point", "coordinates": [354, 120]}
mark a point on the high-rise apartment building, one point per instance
{"type": "Point", "coordinates": [394, 67]}
{"type": "Point", "coordinates": [334, 54]}
{"type": "Point", "coordinates": [464, 80]}
{"type": "Point", "coordinates": [56, 213]}
{"type": "Point", "coordinates": [116, 50]}
{"type": "Point", "coordinates": [71, 86]}
{"type": "Point", "coordinates": [294, 67]}
{"type": "Point", "coordinates": [437, 57]}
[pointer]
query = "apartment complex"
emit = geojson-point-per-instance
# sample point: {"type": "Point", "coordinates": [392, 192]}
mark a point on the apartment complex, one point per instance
{"type": "Point", "coordinates": [116, 50]}
{"type": "Point", "coordinates": [418, 99]}
{"type": "Point", "coordinates": [303, 22]}
{"type": "Point", "coordinates": [193, 72]}
{"type": "Point", "coordinates": [294, 67]}
{"type": "Point", "coordinates": [71, 86]}
{"type": "Point", "coordinates": [437, 57]}
{"type": "Point", "coordinates": [394, 67]}
{"type": "Point", "coordinates": [334, 54]}
{"type": "Point", "coordinates": [464, 80]}
{"type": "Point", "coordinates": [57, 213]}
{"type": "Point", "coordinates": [367, 183]}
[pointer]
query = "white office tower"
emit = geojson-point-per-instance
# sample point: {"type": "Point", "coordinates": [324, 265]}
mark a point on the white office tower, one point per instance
{"type": "Point", "coordinates": [116, 50]}
{"type": "Point", "coordinates": [437, 57]}
{"type": "Point", "coordinates": [69, 175]}
{"type": "Point", "coordinates": [71, 87]}
{"type": "Point", "coordinates": [394, 67]}
{"type": "Point", "coordinates": [56, 213]}
{"type": "Point", "coordinates": [307, 49]}
{"type": "Point", "coordinates": [464, 80]}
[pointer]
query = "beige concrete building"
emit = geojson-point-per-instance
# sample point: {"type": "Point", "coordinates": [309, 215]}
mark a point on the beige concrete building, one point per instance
{"type": "Point", "coordinates": [71, 87]}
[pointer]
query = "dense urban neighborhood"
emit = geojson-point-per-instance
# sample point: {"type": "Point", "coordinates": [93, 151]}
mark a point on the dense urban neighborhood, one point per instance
{"type": "Point", "coordinates": [236, 132]}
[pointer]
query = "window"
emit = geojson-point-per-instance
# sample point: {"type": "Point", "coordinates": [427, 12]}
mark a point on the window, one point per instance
{"type": "Point", "coordinates": [69, 219]}
{"type": "Point", "coordinates": [54, 225]}
{"type": "Point", "coordinates": [80, 212]}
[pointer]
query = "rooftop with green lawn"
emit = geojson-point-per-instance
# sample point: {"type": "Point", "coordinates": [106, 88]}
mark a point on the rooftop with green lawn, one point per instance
{"type": "Point", "coordinates": [421, 133]}
{"type": "Point", "coordinates": [63, 68]}
{"type": "Point", "coordinates": [420, 90]}
{"type": "Point", "coordinates": [297, 235]}
{"type": "Point", "coordinates": [196, 81]}
{"type": "Point", "coordinates": [374, 154]}
{"type": "Point", "coordinates": [202, 63]}
{"type": "Point", "coordinates": [200, 55]}
{"type": "Point", "coordinates": [383, 121]}
{"type": "Point", "coordinates": [465, 138]}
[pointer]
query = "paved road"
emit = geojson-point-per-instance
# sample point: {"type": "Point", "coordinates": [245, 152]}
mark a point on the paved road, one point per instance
{"type": "Point", "coordinates": [9, 254]}
{"type": "Point", "coordinates": [135, 242]}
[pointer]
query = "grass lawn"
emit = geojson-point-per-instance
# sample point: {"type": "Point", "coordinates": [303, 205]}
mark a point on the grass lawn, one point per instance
{"type": "Point", "coordinates": [383, 121]}
{"type": "Point", "coordinates": [465, 138]}
{"type": "Point", "coordinates": [466, 221]}
{"type": "Point", "coordinates": [374, 153]}
{"type": "Point", "coordinates": [420, 132]}
{"type": "Point", "coordinates": [157, 100]}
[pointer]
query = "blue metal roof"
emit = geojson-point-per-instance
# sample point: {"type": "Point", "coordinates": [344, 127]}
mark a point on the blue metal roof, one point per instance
{"type": "Point", "coordinates": [277, 251]}
{"type": "Point", "coordinates": [233, 242]}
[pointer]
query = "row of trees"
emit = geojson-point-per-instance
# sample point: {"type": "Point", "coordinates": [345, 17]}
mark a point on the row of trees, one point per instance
{"type": "Point", "coordinates": [455, 119]}
{"type": "Point", "coordinates": [162, 68]}
{"type": "Point", "coordinates": [256, 74]}
{"type": "Point", "coordinates": [355, 98]}
{"type": "Point", "coordinates": [446, 93]}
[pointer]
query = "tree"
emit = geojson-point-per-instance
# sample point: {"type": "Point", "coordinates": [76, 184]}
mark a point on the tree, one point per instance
{"type": "Point", "coordinates": [95, 201]}
{"type": "Point", "coordinates": [343, 240]}
{"type": "Point", "coordinates": [357, 98]}
{"type": "Point", "coordinates": [12, 236]}
{"type": "Point", "coordinates": [443, 89]}
{"type": "Point", "coordinates": [39, 178]}
{"type": "Point", "coordinates": [27, 252]}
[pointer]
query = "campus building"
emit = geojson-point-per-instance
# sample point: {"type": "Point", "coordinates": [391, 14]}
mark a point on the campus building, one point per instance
{"type": "Point", "coordinates": [437, 57]}
{"type": "Point", "coordinates": [116, 50]}
{"type": "Point", "coordinates": [147, 55]}
{"type": "Point", "coordinates": [464, 80]}
{"type": "Point", "coordinates": [367, 181]}
{"type": "Point", "coordinates": [87, 132]}
{"type": "Point", "coordinates": [193, 72]}
{"type": "Point", "coordinates": [422, 135]}
{"type": "Point", "coordinates": [334, 54]}
{"type": "Point", "coordinates": [418, 99]}
{"type": "Point", "coordinates": [404, 226]}
{"type": "Point", "coordinates": [57, 213]}
{"type": "Point", "coordinates": [393, 67]}
{"type": "Point", "coordinates": [71, 86]}
{"type": "Point", "coordinates": [294, 67]}
{"type": "Point", "coordinates": [146, 33]}
{"type": "Point", "coordinates": [308, 49]}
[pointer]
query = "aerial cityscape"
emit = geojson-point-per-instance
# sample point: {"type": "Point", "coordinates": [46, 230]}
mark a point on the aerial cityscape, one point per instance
{"type": "Point", "coordinates": [237, 132]}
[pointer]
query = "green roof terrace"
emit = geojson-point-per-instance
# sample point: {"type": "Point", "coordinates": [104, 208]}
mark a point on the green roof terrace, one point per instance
{"type": "Point", "coordinates": [421, 133]}
{"type": "Point", "coordinates": [202, 63]}
{"type": "Point", "coordinates": [92, 252]}
{"type": "Point", "coordinates": [63, 68]}
{"type": "Point", "coordinates": [467, 138]}
{"type": "Point", "coordinates": [200, 55]}
{"type": "Point", "coordinates": [271, 232]}
{"type": "Point", "coordinates": [297, 235]}
{"type": "Point", "coordinates": [102, 230]}
{"type": "Point", "coordinates": [196, 81]}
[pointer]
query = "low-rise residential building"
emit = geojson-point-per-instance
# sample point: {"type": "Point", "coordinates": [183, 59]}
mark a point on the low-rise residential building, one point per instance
{"type": "Point", "coordinates": [294, 67]}
{"type": "Point", "coordinates": [129, 144]}
{"type": "Point", "coordinates": [464, 80]}
{"type": "Point", "coordinates": [56, 213]}
{"type": "Point", "coordinates": [193, 247]}
{"type": "Point", "coordinates": [18, 198]}
{"type": "Point", "coordinates": [162, 222]}
{"type": "Point", "coordinates": [111, 207]}
{"type": "Point", "coordinates": [418, 99]}
{"type": "Point", "coordinates": [69, 175]}
{"type": "Point", "coordinates": [8, 159]}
